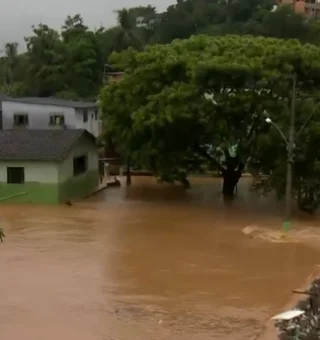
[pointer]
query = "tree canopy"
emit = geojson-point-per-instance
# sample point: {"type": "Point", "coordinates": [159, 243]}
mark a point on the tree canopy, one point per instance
{"type": "Point", "coordinates": [201, 102]}
{"type": "Point", "coordinates": [69, 63]}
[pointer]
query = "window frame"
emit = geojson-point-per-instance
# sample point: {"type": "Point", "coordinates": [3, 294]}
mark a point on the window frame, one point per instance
{"type": "Point", "coordinates": [78, 172]}
{"type": "Point", "coordinates": [53, 117]}
{"type": "Point", "coordinates": [10, 176]}
{"type": "Point", "coordinates": [20, 114]}
{"type": "Point", "coordinates": [85, 115]}
{"type": "Point", "coordinates": [96, 114]}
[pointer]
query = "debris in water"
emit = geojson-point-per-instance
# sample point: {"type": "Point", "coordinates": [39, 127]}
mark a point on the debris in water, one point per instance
{"type": "Point", "coordinates": [288, 315]}
{"type": "Point", "coordinates": [265, 234]}
{"type": "Point", "coordinates": [2, 235]}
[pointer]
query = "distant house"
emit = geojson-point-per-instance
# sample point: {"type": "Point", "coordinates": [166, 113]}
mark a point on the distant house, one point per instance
{"type": "Point", "coordinates": [50, 113]}
{"type": "Point", "coordinates": [111, 74]}
{"type": "Point", "coordinates": [114, 76]}
{"type": "Point", "coordinates": [47, 166]}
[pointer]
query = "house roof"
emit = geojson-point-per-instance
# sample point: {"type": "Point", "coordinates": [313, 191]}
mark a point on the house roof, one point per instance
{"type": "Point", "coordinates": [54, 101]}
{"type": "Point", "coordinates": [39, 145]}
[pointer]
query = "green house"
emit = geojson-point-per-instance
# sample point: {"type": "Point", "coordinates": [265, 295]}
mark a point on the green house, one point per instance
{"type": "Point", "coordinates": [47, 166]}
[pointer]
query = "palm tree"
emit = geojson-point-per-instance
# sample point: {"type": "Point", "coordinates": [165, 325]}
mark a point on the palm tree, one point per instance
{"type": "Point", "coordinates": [128, 35]}
{"type": "Point", "coordinates": [11, 54]}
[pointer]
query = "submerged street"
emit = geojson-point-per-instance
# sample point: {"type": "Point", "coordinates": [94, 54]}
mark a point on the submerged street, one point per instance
{"type": "Point", "coordinates": [147, 263]}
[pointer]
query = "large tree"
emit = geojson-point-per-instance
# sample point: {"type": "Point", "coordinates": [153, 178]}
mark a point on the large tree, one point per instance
{"type": "Point", "coordinates": [83, 60]}
{"type": "Point", "coordinates": [199, 101]}
{"type": "Point", "coordinates": [45, 54]}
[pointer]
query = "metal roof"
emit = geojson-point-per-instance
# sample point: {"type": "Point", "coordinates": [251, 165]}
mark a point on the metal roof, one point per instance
{"type": "Point", "coordinates": [39, 145]}
{"type": "Point", "coordinates": [53, 101]}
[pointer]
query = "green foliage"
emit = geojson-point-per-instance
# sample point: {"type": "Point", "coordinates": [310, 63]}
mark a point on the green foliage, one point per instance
{"type": "Point", "coordinates": [200, 101]}
{"type": "Point", "coordinates": [65, 64]}
{"type": "Point", "coordinates": [270, 156]}
{"type": "Point", "coordinates": [70, 62]}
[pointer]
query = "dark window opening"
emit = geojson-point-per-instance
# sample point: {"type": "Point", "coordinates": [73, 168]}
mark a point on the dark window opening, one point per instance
{"type": "Point", "coordinates": [15, 175]}
{"type": "Point", "coordinates": [20, 119]}
{"type": "Point", "coordinates": [57, 120]}
{"type": "Point", "coordinates": [96, 114]}
{"type": "Point", "coordinates": [79, 165]}
{"type": "Point", "coordinates": [85, 116]}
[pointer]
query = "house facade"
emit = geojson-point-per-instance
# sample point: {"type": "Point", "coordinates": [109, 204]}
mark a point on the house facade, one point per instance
{"type": "Point", "coordinates": [308, 8]}
{"type": "Point", "coordinates": [50, 113]}
{"type": "Point", "coordinates": [47, 166]}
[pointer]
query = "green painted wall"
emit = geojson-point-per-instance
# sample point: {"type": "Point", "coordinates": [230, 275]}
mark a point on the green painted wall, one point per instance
{"type": "Point", "coordinates": [41, 193]}
{"type": "Point", "coordinates": [37, 193]}
{"type": "Point", "coordinates": [79, 186]}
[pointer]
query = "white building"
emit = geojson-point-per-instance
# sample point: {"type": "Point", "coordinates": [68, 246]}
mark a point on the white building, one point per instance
{"type": "Point", "coordinates": [50, 113]}
{"type": "Point", "coordinates": [47, 166]}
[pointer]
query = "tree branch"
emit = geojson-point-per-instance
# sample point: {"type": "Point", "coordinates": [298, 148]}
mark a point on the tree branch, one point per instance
{"type": "Point", "coordinates": [212, 160]}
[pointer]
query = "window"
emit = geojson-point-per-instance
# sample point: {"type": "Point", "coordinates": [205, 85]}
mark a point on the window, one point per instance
{"type": "Point", "coordinates": [20, 119]}
{"type": "Point", "coordinates": [96, 114]}
{"type": "Point", "coordinates": [79, 165]}
{"type": "Point", "coordinates": [85, 116]}
{"type": "Point", "coordinates": [15, 175]}
{"type": "Point", "coordinates": [56, 119]}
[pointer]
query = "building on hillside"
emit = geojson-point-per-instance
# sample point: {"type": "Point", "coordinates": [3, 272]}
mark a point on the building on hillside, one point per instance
{"type": "Point", "coordinates": [50, 113]}
{"type": "Point", "coordinates": [114, 76]}
{"type": "Point", "coordinates": [309, 8]}
{"type": "Point", "coordinates": [110, 74]}
{"type": "Point", "coordinates": [312, 8]}
{"type": "Point", "coordinates": [47, 166]}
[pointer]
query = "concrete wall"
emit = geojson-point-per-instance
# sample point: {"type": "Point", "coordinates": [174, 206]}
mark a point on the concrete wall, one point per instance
{"type": "Point", "coordinates": [75, 187]}
{"type": "Point", "coordinates": [66, 167]}
{"type": "Point", "coordinates": [39, 116]}
{"type": "Point", "coordinates": [92, 125]}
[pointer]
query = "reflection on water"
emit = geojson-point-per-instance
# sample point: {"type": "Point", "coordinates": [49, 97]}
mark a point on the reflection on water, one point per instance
{"type": "Point", "coordinates": [149, 263]}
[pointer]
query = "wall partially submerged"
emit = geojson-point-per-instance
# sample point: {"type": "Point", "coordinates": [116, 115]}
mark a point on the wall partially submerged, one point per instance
{"type": "Point", "coordinates": [271, 332]}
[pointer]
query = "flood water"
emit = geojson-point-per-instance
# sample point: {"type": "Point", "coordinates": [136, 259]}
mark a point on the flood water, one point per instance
{"type": "Point", "coordinates": [148, 263]}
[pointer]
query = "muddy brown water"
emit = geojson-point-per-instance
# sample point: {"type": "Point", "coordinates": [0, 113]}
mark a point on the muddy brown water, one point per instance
{"type": "Point", "coordinates": [147, 263]}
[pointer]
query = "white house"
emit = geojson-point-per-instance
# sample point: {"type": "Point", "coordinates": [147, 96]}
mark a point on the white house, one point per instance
{"type": "Point", "coordinates": [50, 113]}
{"type": "Point", "coordinates": [47, 166]}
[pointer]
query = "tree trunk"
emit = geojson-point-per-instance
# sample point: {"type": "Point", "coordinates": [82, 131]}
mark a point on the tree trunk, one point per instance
{"type": "Point", "coordinates": [128, 179]}
{"type": "Point", "coordinates": [230, 181]}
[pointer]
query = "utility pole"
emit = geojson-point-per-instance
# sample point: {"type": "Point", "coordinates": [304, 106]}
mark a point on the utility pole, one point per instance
{"type": "Point", "coordinates": [290, 153]}
{"type": "Point", "coordinates": [290, 143]}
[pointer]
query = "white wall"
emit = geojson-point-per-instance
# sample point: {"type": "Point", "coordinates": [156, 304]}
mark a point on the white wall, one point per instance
{"type": "Point", "coordinates": [41, 172]}
{"type": "Point", "coordinates": [39, 116]}
{"type": "Point", "coordinates": [66, 167]}
{"type": "Point", "coordinates": [91, 125]}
